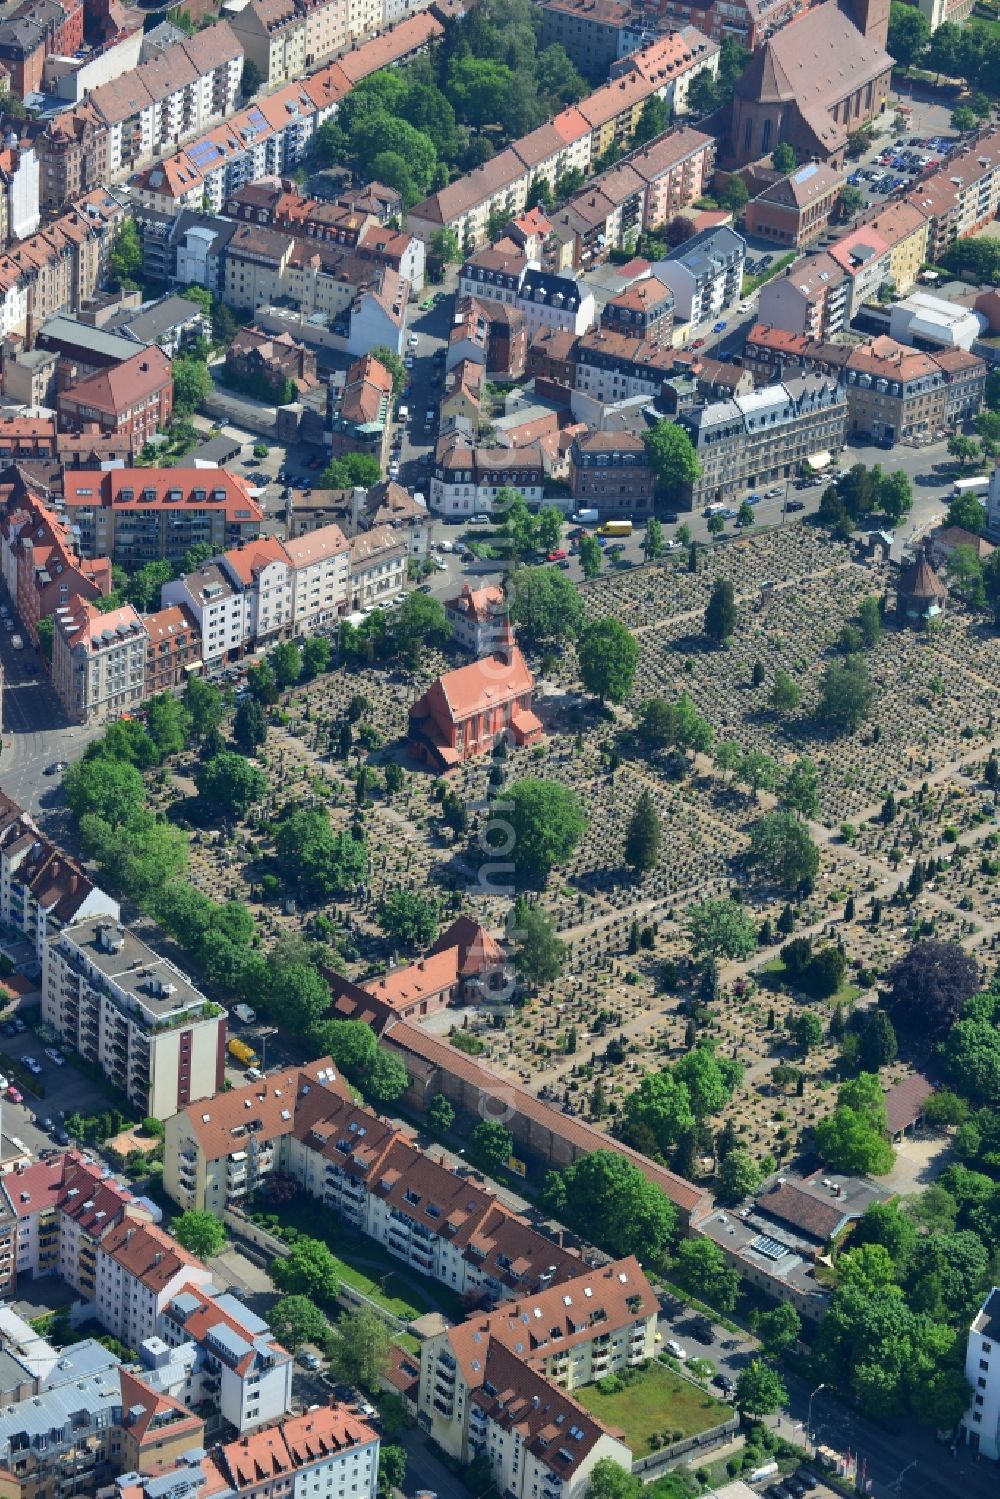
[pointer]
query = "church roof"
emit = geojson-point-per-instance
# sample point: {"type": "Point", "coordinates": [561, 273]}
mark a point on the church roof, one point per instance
{"type": "Point", "coordinates": [817, 61]}
{"type": "Point", "coordinates": [920, 581]}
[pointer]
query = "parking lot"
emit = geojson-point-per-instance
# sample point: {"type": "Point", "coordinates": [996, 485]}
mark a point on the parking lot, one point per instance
{"type": "Point", "coordinates": [64, 1090]}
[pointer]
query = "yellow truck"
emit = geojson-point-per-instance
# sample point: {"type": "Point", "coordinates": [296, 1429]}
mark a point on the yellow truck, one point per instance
{"type": "Point", "coordinates": [615, 528]}
{"type": "Point", "coordinates": [243, 1053]}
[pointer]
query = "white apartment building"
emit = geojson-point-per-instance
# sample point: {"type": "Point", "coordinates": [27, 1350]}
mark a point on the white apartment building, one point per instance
{"type": "Point", "coordinates": [378, 567]}
{"type": "Point", "coordinates": [120, 1005]}
{"type": "Point", "coordinates": [320, 567]}
{"type": "Point", "coordinates": [981, 1422]}
{"type": "Point", "coordinates": [705, 274]}
{"type": "Point", "coordinates": [98, 661]}
{"type": "Point", "coordinates": [139, 1271]}
{"type": "Point", "coordinates": [220, 609]}
{"type": "Point", "coordinates": [261, 572]}
{"type": "Point", "coordinates": [239, 1366]}
{"type": "Point", "coordinates": [328, 1453]}
{"type": "Point", "coordinates": [42, 889]}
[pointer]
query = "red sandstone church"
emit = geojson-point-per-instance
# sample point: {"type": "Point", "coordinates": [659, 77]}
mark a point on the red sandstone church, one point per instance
{"type": "Point", "coordinates": [465, 712]}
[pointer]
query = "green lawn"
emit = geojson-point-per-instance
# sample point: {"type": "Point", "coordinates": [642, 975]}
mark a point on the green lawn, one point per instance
{"type": "Point", "coordinates": [657, 1402]}
{"type": "Point", "coordinates": [771, 975]}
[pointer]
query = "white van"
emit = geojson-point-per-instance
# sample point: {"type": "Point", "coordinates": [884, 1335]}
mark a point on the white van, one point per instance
{"type": "Point", "coordinates": [245, 1013]}
{"type": "Point", "coordinates": [403, 414]}
{"type": "Point", "coordinates": [17, 642]}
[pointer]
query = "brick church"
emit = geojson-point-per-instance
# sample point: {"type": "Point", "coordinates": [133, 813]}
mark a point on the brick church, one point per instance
{"type": "Point", "coordinates": [813, 83]}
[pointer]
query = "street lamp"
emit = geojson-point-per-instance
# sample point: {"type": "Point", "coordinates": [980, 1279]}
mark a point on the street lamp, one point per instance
{"type": "Point", "coordinates": [897, 1487]}
{"type": "Point", "coordinates": [809, 1415]}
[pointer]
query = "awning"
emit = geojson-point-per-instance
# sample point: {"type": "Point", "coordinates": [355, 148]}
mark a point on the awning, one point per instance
{"type": "Point", "coordinates": [817, 461]}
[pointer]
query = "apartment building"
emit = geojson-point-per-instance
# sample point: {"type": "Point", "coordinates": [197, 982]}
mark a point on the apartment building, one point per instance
{"type": "Point", "coordinates": [359, 413]}
{"type": "Point", "coordinates": [812, 298]}
{"type": "Point", "coordinates": [140, 1268]}
{"type": "Point", "coordinates": [125, 1008]}
{"type": "Point", "coordinates": [273, 36]}
{"type": "Point", "coordinates": [963, 195]}
{"type": "Point", "coordinates": [377, 562]}
{"type": "Point", "coordinates": [744, 443]}
{"type": "Point", "coordinates": [72, 151]}
{"type": "Point", "coordinates": [611, 367]}
{"type": "Point", "coordinates": [643, 310]}
{"type": "Point", "coordinates": [474, 618]}
{"type": "Point", "coordinates": [321, 563]}
{"type": "Point", "coordinates": [304, 1121]}
{"type": "Point", "coordinates": [465, 480]}
{"type": "Point", "coordinates": [239, 1366]}
{"type": "Point", "coordinates": [895, 392]}
{"type": "Point", "coordinates": [145, 515]}
{"type": "Point", "coordinates": [173, 650]}
{"type": "Point", "coordinates": [864, 257]}
{"type": "Point", "coordinates": [598, 1324]}
{"type": "Point", "coordinates": [131, 402]}
{"type": "Point", "coordinates": [39, 555]}
{"type": "Point", "coordinates": [705, 274]}
{"type": "Point", "coordinates": [981, 1422]}
{"type": "Point", "coordinates": [218, 608]}
{"type": "Point", "coordinates": [42, 889]}
{"type": "Point", "coordinates": [328, 1450]}
{"type": "Point", "coordinates": [59, 267]}
{"type": "Point", "coordinates": [545, 299]}
{"type": "Point", "coordinates": [98, 661]}
{"type": "Point", "coordinates": [904, 228]}
{"type": "Point", "coordinates": [31, 32]}
{"type": "Point", "coordinates": [260, 571]}
{"type": "Point", "coordinates": [610, 472]}
{"type": "Point", "coordinates": [491, 333]}
{"type": "Point", "coordinates": [795, 210]}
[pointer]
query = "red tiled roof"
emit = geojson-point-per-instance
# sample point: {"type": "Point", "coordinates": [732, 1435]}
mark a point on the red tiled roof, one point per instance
{"type": "Point", "coordinates": [904, 1102]}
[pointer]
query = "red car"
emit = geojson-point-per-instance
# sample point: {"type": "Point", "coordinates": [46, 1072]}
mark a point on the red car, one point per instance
{"type": "Point", "coordinates": [14, 1095]}
{"type": "Point", "coordinates": [557, 555]}
{"type": "Point", "coordinates": [699, 343]}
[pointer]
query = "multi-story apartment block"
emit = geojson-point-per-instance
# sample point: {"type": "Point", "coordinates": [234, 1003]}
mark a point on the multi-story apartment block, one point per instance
{"type": "Point", "coordinates": [273, 36]}
{"type": "Point", "coordinates": [131, 402]}
{"type": "Point", "coordinates": [465, 480]}
{"type": "Point", "coordinates": [546, 300]}
{"type": "Point", "coordinates": [98, 661]}
{"type": "Point", "coordinates": [743, 443]}
{"type": "Point", "coordinates": [239, 1368]}
{"type": "Point", "coordinates": [600, 1323]}
{"type": "Point", "coordinates": [261, 572]}
{"type": "Point", "coordinates": [377, 562]}
{"type": "Point", "coordinates": [904, 228]}
{"type": "Point", "coordinates": [610, 366]}
{"type": "Point", "coordinates": [643, 310]}
{"type": "Point", "coordinates": [173, 651]}
{"type": "Point", "coordinates": [320, 563]}
{"type": "Point", "coordinates": [596, 32]}
{"type": "Point", "coordinates": [610, 472]}
{"type": "Point", "coordinates": [705, 274]}
{"type": "Point", "coordinates": [812, 298]}
{"type": "Point", "coordinates": [39, 553]}
{"type": "Point", "coordinates": [895, 392]}
{"type": "Point", "coordinates": [42, 889]}
{"type": "Point", "coordinates": [963, 195]}
{"type": "Point", "coordinates": [59, 268]}
{"type": "Point", "coordinates": [981, 1422]}
{"type": "Point", "coordinates": [140, 1269]}
{"type": "Point", "coordinates": [864, 257]}
{"type": "Point", "coordinates": [218, 608]}
{"type": "Point", "coordinates": [72, 153]}
{"type": "Point", "coordinates": [144, 515]}
{"type": "Point", "coordinates": [359, 413]}
{"type": "Point", "coordinates": [127, 1009]}
{"type": "Point", "coordinates": [304, 1121]}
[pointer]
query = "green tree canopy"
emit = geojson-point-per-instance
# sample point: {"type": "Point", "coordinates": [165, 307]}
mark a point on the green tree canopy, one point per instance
{"type": "Point", "coordinates": [608, 654]}
{"type": "Point", "coordinates": [360, 1351]}
{"type": "Point", "coordinates": [309, 1270]}
{"type": "Point", "coordinates": [545, 605]}
{"type": "Point", "coordinates": [781, 847]}
{"type": "Point", "coordinates": [231, 783]}
{"type": "Point", "coordinates": [610, 1200]}
{"type": "Point", "coordinates": [538, 954]}
{"type": "Point", "coordinates": [760, 1390]}
{"type": "Point", "coordinates": [409, 918]}
{"type": "Point", "coordinates": [720, 612]}
{"type": "Point", "coordinates": [316, 861]}
{"type": "Point", "coordinates": [721, 928]}
{"type": "Point", "coordinates": [673, 458]}
{"type": "Point", "coordinates": [547, 822]}
{"type": "Point", "coordinates": [200, 1232]}
{"type": "Point", "coordinates": [296, 1320]}
{"type": "Point", "coordinates": [642, 836]}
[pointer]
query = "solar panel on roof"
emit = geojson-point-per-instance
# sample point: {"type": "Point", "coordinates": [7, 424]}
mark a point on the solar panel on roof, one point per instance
{"type": "Point", "coordinates": [771, 1249]}
{"type": "Point", "coordinates": [202, 152]}
{"type": "Point", "coordinates": [256, 118]}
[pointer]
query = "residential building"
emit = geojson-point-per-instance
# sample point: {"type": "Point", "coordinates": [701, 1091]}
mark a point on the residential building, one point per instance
{"type": "Point", "coordinates": [218, 608]}
{"type": "Point", "coordinates": [904, 228]}
{"type": "Point", "coordinates": [172, 323]}
{"type": "Point", "coordinates": [705, 274]}
{"type": "Point", "coordinates": [814, 82]}
{"type": "Point", "coordinates": [643, 310]}
{"type": "Point", "coordinates": [261, 572]}
{"type": "Point", "coordinates": [572, 1334]}
{"type": "Point", "coordinates": [744, 443]}
{"type": "Point", "coordinates": [328, 1450]}
{"type": "Point", "coordinates": [796, 209]}
{"type": "Point", "coordinates": [460, 407]}
{"type": "Point", "coordinates": [135, 1015]}
{"type": "Point", "coordinates": [894, 392]}
{"type": "Point", "coordinates": [20, 207]}
{"type": "Point", "coordinates": [466, 711]}
{"type": "Point", "coordinates": [59, 267]}
{"type": "Point", "coordinates": [145, 515]}
{"type": "Point", "coordinates": [465, 966]}
{"type": "Point", "coordinates": [239, 1367]}
{"type": "Point", "coordinates": [864, 258]}
{"type": "Point", "coordinates": [475, 617]}
{"type": "Point", "coordinates": [489, 333]}
{"type": "Point", "coordinates": [41, 560]}
{"type": "Point", "coordinates": [812, 297]}
{"type": "Point", "coordinates": [590, 31]}
{"type": "Point", "coordinates": [465, 480]}
{"type": "Point", "coordinates": [98, 661]}
{"type": "Point", "coordinates": [936, 12]}
{"type": "Point", "coordinates": [547, 300]}
{"type": "Point", "coordinates": [610, 472]}
{"type": "Point", "coordinates": [389, 504]}
{"type": "Point", "coordinates": [140, 1268]}
{"type": "Point", "coordinates": [42, 889]}
{"type": "Point", "coordinates": [320, 564]}
{"type": "Point", "coordinates": [173, 650]}
{"type": "Point", "coordinates": [981, 1422]}
{"type": "Point", "coordinates": [963, 195]}
{"type": "Point", "coordinates": [131, 402]}
{"type": "Point", "coordinates": [273, 366]}
{"type": "Point", "coordinates": [770, 351]}
{"type": "Point", "coordinates": [29, 33]}
{"type": "Point", "coordinates": [377, 562]}
{"type": "Point", "coordinates": [359, 414]}
{"type": "Point", "coordinates": [611, 367]}
{"type": "Point", "coordinates": [273, 36]}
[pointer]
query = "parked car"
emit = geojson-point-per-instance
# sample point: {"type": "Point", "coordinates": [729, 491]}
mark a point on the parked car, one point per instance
{"type": "Point", "coordinates": [774, 492]}
{"type": "Point", "coordinates": [12, 1094]}
{"type": "Point", "coordinates": [57, 767]}
{"type": "Point", "coordinates": [677, 1349]}
{"type": "Point", "coordinates": [795, 505]}
{"type": "Point", "coordinates": [60, 1136]}
{"type": "Point", "coordinates": [54, 1055]}
{"type": "Point", "coordinates": [412, 341]}
{"type": "Point", "coordinates": [724, 1383]}
{"type": "Point", "coordinates": [556, 555]}
{"type": "Point", "coordinates": [32, 1064]}
{"type": "Point", "coordinates": [44, 1123]}
{"type": "Point", "coordinates": [719, 327]}
{"type": "Point", "coordinates": [309, 1361]}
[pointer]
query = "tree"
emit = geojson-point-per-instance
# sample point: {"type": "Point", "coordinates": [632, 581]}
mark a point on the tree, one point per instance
{"type": "Point", "coordinates": [545, 605]}
{"type": "Point", "coordinates": [590, 557]}
{"type": "Point", "coordinates": [964, 449]}
{"type": "Point", "coordinates": [785, 696]}
{"type": "Point", "coordinates": [549, 524]}
{"type": "Point", "coordinates": [442, 249]}
{"type": "Point", "coordinates": [735, 195]}
{"type": "Point", "coordinates": [642, 837]}
{"type": "Point", "coordinates": [351, 471]}
{"type": "Point", "coordinates": [784, 158]}
{"type": "Point", "coordinates": [539, 954]}
{"type": "Point", "coordinates": [963, 119]}
{"type": "Point", "coordinates": [909, 33]}
{"type": "Point", "coordinates": [547, 821]}
{"type": "Point", "coordinates": [205, 705]}
{"type": "Point", "coordinates": [709, 1078]}
{"type": "Point", "coordinates": [360, 1352]}
{"type": "Point", "coordinates": [653, 545]}
{"type": "Point", "coordinates": [608, 1479]}
{"type": "Point", "coordinates": [392, 1461]}
{"type": "Point", "coordinates": [393, 366]}
{"type": "Point", "coordinates": [739, 1176]}
{"type": "Point", "coordinates": [316, 861]}
{"type": "Point", "coordinates": [781, 846]}
{"type": "Point", "coordinates": [249, 726]}
{"type": "Point", "coordinates": [250, 79]}
{"type": "Point", "coordinates": [608, 654]}
{"type": "Point", "coordinates": [232, 783]}
{"type": "Point", "coordinates": [852, 1138]}
{"type": "Point", "coordinates": [760, 1390]}
{"type": "Point", "coordinates": [850, 201]}
{"type": "Point", "coordinates": [419, 622]}
{"type": "Point", "coordinates": [386, 1079]}
{"type": "Point", "coordinates": [878, 1043]}
{"type": "Point", "coordinates": [799, 790]}
{"type": "Point", "coordinates": [966, 575]}
{"type": "Point", "coordinates": [316, 656]}
{"type": "Point", "coordinates": [928, 986]}
{"type": "Point", "coordinates": [968, 513]}
{"type": "Point", "coordinates": [870, 621]}
{"type": "Point", "coordinates": [894, 496]}
{"type": "Point", "coordinates": [845, 699]}
{"type": "Point", "coordinates": [192, 382]}
{"type": "Point", "coordinates": [286, 663]}
{"type": "Point", "coordinates": [653, 121]}
{"type": "Point", "coordinates": [125, 259]}
{"type": "Point", "coordinates": [440, 1114]}
{"type": "Point", "coordinates": [658, 1114]}
{"type": "Point", "coordinates": [308, 1270]}
{"type": "Point", "coordinates": [297, 994]}
{"type": "Point", "coordinates": [492, 1146]}
{"type": "Point", "coordinates": [605, 1196]}
{"type": "Point", "coordinates": [672, 457]}
{"type": "Point", "coordinates": [721, 928]}
{"type": "Point", "coordinates": [518, 526]}
{"type": "Point", "coordinates": [679, 725]}
{"type": "Point", "coordinates": [199, 1232]}
{"type": "Point", "coordinates": [972, 1060]}
{"type": "Point", "coordinates": [703, 1270]}
{"type": "Point", "coordinates": [409, 918]}
{"type": "Point", "coordinates": [720, 612]}
{"type": "Point", "coordinates": [808, 1030]}
{"type": "Point", "coordinates": [779, 1329]}
{"type": "Point", "coordinates": [110, 790]}
{"type": "Point", "coordinates": [351, 1043]}
{"type": "Point", "coordinates": [296, 1320]}
{"type": "Point", "coordinates": [884, 1223]}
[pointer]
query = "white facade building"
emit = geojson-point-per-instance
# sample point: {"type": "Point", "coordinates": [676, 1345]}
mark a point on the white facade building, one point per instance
{"type": "Point", "coordinates": [220, 609]}
{"type": "Point", "coordinates": [98, 661]}
{"type": "Point", "coordinates": [924, 319]}
{"type": "Point", "coordinates": [42, 889]}
{"type": "Point", "coordinates": [239, 1366]}
{"type": "Point", "coordinates": [320, 568]}
{"type": "Point", "coordinates": [705, 274]}
{"type": "Point", "coordinates": [981, 1422]}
